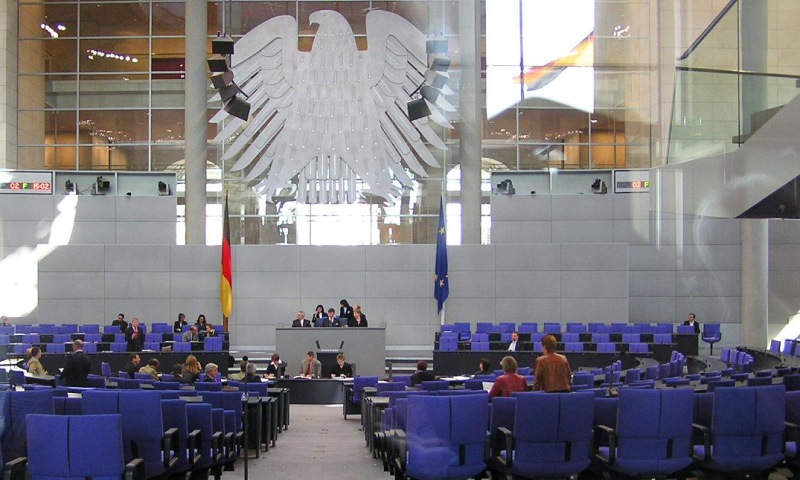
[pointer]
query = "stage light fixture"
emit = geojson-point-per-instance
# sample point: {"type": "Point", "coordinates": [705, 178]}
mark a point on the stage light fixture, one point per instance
{"type": "Point", "coordinates": [218, 63]}
{"type": "Point", "coordinates": [163, 189]}
{"type": "Point", "coordinates": [222, 45]}
{"type": "Point", "coordinates": [418, 109]}
{"type": "Point", "coordinates": [101, 186]}
{"type": "Point", "coordinates": [222, 79]}
{"type": "Point", "coordinates": [238, 108]}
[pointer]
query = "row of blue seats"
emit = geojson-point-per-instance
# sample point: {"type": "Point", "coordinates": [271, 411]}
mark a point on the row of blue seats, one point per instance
{"type": "Point", "coordinates": [213, 344]}
{"type": "Point", "coordinates": [87, 337]}
{"type": "Point", "coordinates": [156, 427]}
{"type": "Point", "coordinates": [570, 327]}
{"type": "Point", "coordinates": [640, 433]}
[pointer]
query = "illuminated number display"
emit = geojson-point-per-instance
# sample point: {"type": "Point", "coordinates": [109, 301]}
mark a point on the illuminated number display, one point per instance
{"type": "Point", "coordinates": [26, 182]}
{"type": "Point", "coordinates": [631, 181]}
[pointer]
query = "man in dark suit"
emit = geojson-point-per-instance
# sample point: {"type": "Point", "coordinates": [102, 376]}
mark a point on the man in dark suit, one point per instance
{"type": "Point", "coordinates": [422, 374]}
{"type": "Point", "coordinates": [301, 320]}
{"type": "Point", "coordinates": [120, 322]}
{"type": "Point", "coordinates": [77, 368]}
{"type": "Point", "coordinates": [134, 336]}
{"type": "Point", "coordinates": [692, 321]}
{"type": "Point", "coordinates": [342, 369]}
{"type": "Point", "coordinates": [334, 320]}
{"type": "Point", "coordinates": [133, 365]}
{"type": "Point", "coordinates": [515, 345]}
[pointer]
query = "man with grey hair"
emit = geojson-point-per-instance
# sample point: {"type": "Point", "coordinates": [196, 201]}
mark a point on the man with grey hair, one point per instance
{"type": "Point", "coordinates": [211, 372]}
{"type": "Point", "coordinates": [252, 373]}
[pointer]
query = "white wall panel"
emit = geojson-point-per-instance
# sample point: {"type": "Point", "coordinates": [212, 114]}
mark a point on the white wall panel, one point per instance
{"type": "Point", "coordinates": [400, 258]}
{"type": "Point", "coordinates": [332, 259]}
{"type": "Point", "coordinates": [140, 258]}
{"type": "Point", "coordinates": [75, 258]}
{"type": "Point", "coordinates": [582, 231]}
{"type": "Point", "coordinates": [593, 256]}
{"type": "Point", "coordinates": [545, 256]}
{"type": "Point", "coordinates": [71, 285]}
{"type": "Point", "coordinates": [137, 285]}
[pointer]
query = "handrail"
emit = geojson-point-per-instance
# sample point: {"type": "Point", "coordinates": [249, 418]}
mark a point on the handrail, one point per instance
{"type": "Point", "coordinates": [736, 72]}
{"type": "Point", "coordinates": [708, 30]}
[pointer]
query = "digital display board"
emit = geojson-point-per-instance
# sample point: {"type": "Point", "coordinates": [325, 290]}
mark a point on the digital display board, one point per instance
{"type": "Point", "coordinates": [631, 181]}
{"type": "Point", "coordinates": [39, 183]}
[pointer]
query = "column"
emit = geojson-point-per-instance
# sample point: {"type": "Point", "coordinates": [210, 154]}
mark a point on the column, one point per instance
{"type": "Point", "coordinates": [8, 85]}
{"type": "Point", "coordinates": [470, 113]}
{"type": "Point", "coordinates": [755, 282]}
{"type": "Point", "coordinates": [754, 59]}
{"type": "Point", "coordinates": [195, 120]}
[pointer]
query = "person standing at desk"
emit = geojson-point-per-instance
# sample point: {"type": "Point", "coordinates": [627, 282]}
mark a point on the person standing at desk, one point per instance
{"type": "Point", "coordinates": [310, 367]}
{"type": "Point", "coordinates": [359, 319]}
{"type": "Point", "coordinates": [692, 322]}
{"type": "Point", "coordinates": [120, 322]}
{"type": "Point", "coordinates": [301, 320]}
{"type": "Point", "coordinates": [134, 336]}
{"type": "Point", "coordinates": [552, 369]}
{"type": "Point", "coordinates": [77, 368]}
{"type": "Point", "coordinates": [345, 311]}
{"type": "Point", "coordinates": [34, 365]}
{"type": "Point", "coordinates": [177, 327]}
{"type": "Point", "coordinates": [342, 369]}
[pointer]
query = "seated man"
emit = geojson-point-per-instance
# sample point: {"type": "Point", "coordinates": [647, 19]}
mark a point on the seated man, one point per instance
{"type": "Point", "coordinates": [422, 374]}
{"type": "Point", "coordinates": [211, 372]}
{"type": "Point", "coordinates": [191, 335]}
{"type": "Point", "coordinates": [301, 320]}
{"type": "Point", "coordinates": [342, 369]}
{"type": "Point", "coordinates": [310, 367]}
{"type": "Point", "coordinates": [210, 331]}
{"type": "Point", "coordinates": [252, 373]}
{"type": "Point", "coordinates": [335, 321]}
{"type": "Point", "coordinates": [151, 368]}
{"type": "Point", "coordinates": [120, 322]}
{"type": "Point", "coordinates": [34, 365]}
{"type": "Point", "coordinates": [133, 364]}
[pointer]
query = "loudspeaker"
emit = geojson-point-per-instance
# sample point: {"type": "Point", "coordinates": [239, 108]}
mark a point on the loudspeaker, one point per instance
{"type": "Point", "coordinates": [238, 108]}
{"type": "Point", "coordinates": [226, 93]}
{"type": "Point", "coordinates": [217, 64]}
{"type": "Point", "coordinates": [220, 80]}
{"type": "Point", "coordinates": [418, 109]}
{"type": "Point", "coordinates": [222, 45]}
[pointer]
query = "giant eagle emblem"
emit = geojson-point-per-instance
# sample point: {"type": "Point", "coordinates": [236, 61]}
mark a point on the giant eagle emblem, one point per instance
{"type": "Point", "coordinates": [334, 114]}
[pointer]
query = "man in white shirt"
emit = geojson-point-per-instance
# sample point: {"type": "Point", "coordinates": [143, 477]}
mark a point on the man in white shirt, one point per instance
{"type": "Point", "coordinates": [515, 345]}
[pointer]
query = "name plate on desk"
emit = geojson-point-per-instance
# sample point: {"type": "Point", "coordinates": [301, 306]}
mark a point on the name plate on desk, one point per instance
{"type": "Point", "coordinates": [363, 347]}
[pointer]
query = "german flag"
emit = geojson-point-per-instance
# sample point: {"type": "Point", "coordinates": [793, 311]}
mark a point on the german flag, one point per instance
{"type": "Point", "coordinates": [226, 276]}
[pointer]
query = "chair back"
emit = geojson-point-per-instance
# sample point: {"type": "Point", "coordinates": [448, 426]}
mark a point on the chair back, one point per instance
{"type": "Point", "coordinates": [654, 431]}
{"type": "Point", "coordinates": [17, 408]}
{"type": "Point", "coordinates": [552, 433]}
{"type": "Point", "coordinates": [208, 386]}
{"type": "Point", "coordinates": [142, 429]}
{"type": "Point", "coordinates": [431, 385]}
{"type": "Point", "coordinates": [358, 386]}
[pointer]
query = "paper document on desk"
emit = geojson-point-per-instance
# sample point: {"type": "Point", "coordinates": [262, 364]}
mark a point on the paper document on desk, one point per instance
{"type": "Point", "coordinates": [487, 386]}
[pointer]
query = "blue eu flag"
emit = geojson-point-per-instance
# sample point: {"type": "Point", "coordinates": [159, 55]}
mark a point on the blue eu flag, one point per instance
{"type": "Point", "coordinates": [441, 284]}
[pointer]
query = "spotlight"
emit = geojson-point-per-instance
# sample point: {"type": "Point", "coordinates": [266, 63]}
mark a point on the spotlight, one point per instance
{"type": "Point", "coordinates": [596, 184]}
{"type": "Point", "coordinates": [101, 186]}
{"type": "Point", "coordinates": [418, 109]}
{"type": "Point", "coordinates": [599, 187]}
{"type": "Point", "coordinates": [222, 79]}
{"type": "Point", "coordinates": [238, 108]}
{"type": "Point", "coordinates": [222, 45]}
{"type": "Point", "coordinates": [506, 187]}
{"type": "Point", "coordinates": [218, 64]}
{"type": "Point", "coordinates": [163, 189]}
{"type": "Point", "coordinates": [71, 187]}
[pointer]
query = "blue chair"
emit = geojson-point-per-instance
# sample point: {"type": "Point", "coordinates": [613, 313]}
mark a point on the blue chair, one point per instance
{"type": "Point", "coordinates": [600, 338]}
{"type": "Point", "coordinates": [583, 378]}
{"type": "Point", "coordinates": [711, 335]}
{"type": "Point", "coordinates": [209, 386]}
{"type": "Point", "coordinates": [573, 347]}
{"type": "Point", "coordinates": [17, 408]}
{"type": "Point", "coordinates": [174, 415]}
{"type": "Point", "coordinates": [759, 381]}
{"type": "Point", "coordinates": [448, 342]}
{"type": "Point", "coordinates": [445, 436]}
{"type": "Point", "coordinates": [478, 346]}
{"type": "Point", "coordinates": [105, 369]}
{"type": "Point", "coordinates": [631, 338]}
{"type": "Point", "coordinates": [213, 344]}
{"type": "Point", "coordinates": [528, 327]}
{"type": "Point", "coordinates": [551, 327]}
{"type": "Point", "coordinates": [352, 399]}
{"type": "Point", "coordinates": [551, 436]}
{"type": "Point", "coordinates": [653, 433]}
{"type": "Point", "coordinates": [433, 385]}
{"type": "Point", "coordinates": [79, 447]}
{"type": "Point", "coordinates": [746, 430]}
{"type": "Point", "coordinates": [606, 347]}
{"type": "Point", "coordinates": [639, 348]}
{"type": "Point", "coordinates": [662, 338]}
{"type": "Point", "coordinates": [200, 418]}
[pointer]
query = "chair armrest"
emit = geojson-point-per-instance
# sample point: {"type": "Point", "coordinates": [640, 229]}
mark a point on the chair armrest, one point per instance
{"type": "Point", "coordinates": [134, 470]}
{"type": "Point", "coordinates": [195, 446]}
{"type": "Point", "coordinates": [15, 469]}
{"type": "Point", "coordinates": [504, 440]}
{"type": "Point", "coordinates": [169, 448]}
{"type": "Point", "coordinates": [399, 452]}
{"type": "Point", "coordinates": [230, 445]}
{"type": "Point", "coordinates": [706, 441]}
{"type": "Point", "coordinates": [216, 446]}
{"type": "Point", "coordinates": [612, 444]}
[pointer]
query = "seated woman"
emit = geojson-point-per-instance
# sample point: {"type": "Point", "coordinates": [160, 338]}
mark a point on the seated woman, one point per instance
{"type": "Point", "coordinates": [511, 381]}
{"type": "Point", "coordinates": [252, 373]}
{"type": "Point", "coordinates": [191, 370]}
{"type": "Point", "coordinates": [359, 319]}
{"type": "Point", "coordinates": [485, 367]}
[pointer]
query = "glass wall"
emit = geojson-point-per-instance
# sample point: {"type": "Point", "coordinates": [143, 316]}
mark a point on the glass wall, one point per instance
{"type": "Point", "coordinates": [101, 88]}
